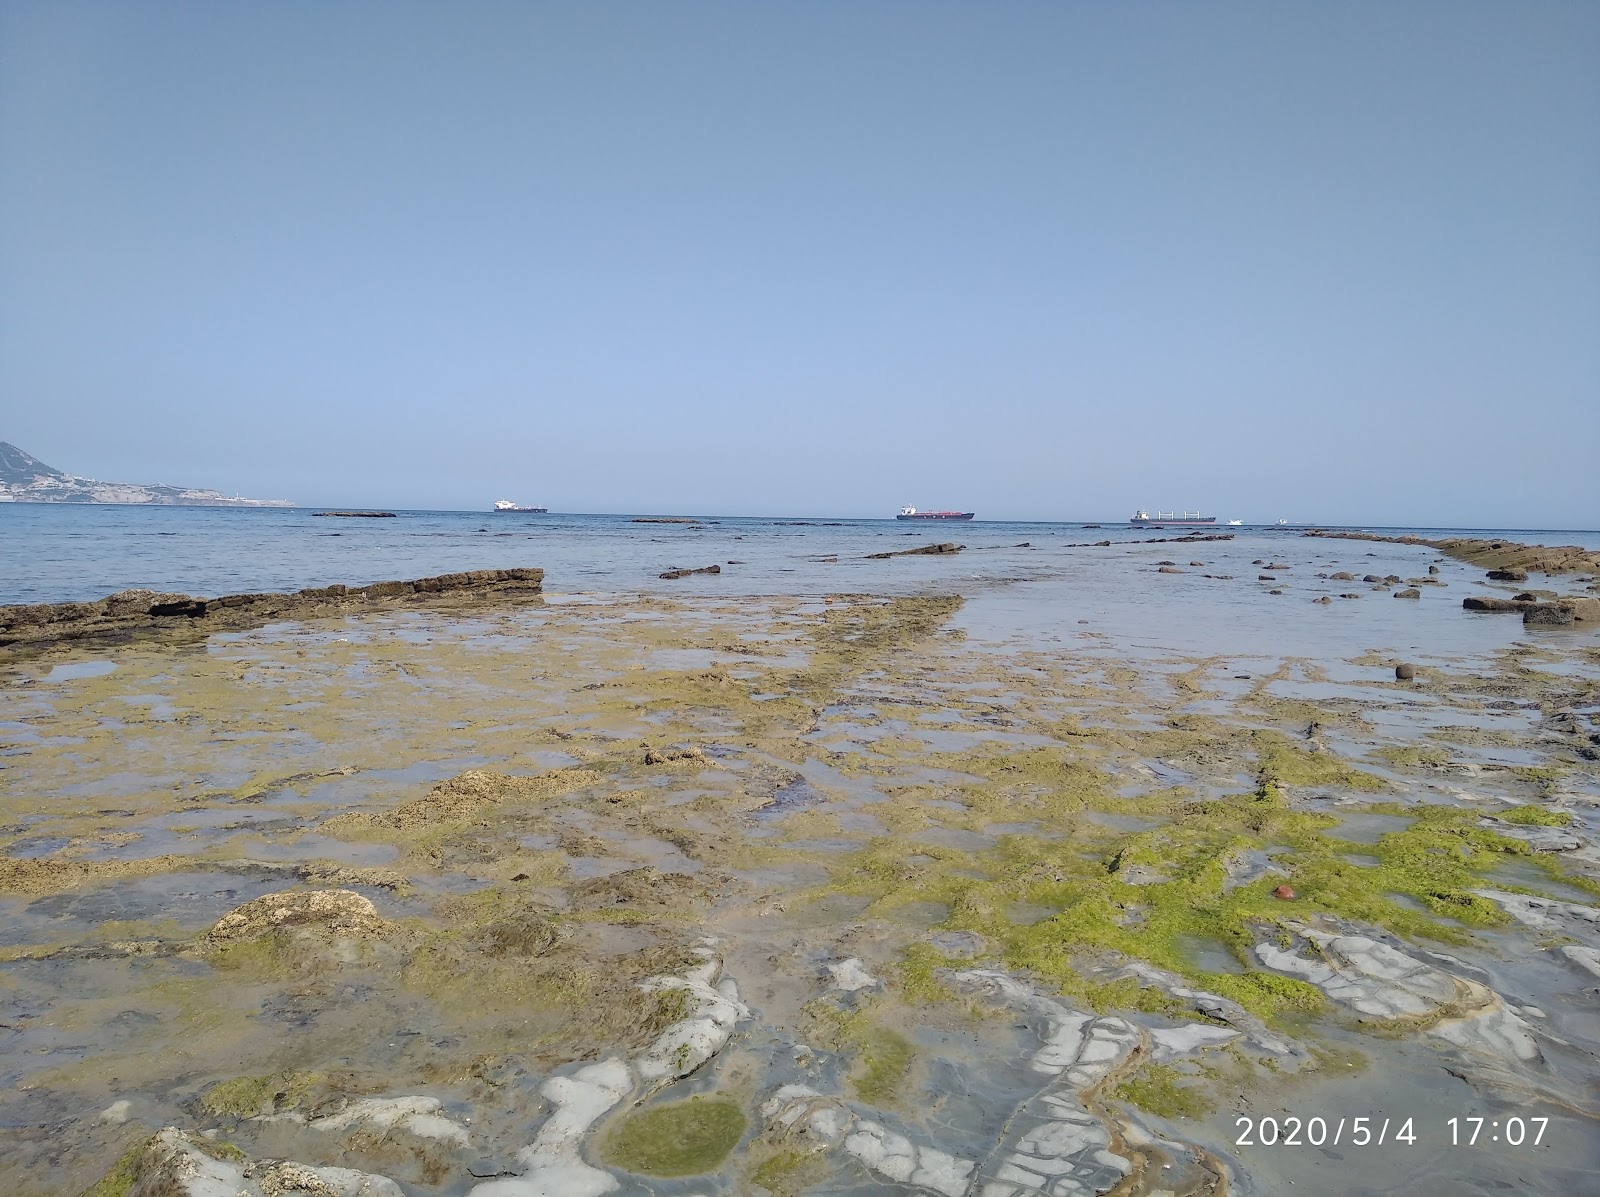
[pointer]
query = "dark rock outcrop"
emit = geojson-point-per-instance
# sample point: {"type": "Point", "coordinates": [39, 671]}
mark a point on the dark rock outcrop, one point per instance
{"type": "Point", "coordinates": [1412, 593]}
{"type": "Point", "coordinates": [925, 550]}
{"type": "Point", "coordinates": [684, 573]}
{"type": "Point", "coordinates": [138, 614]}
{"type": "Point", "coordinates": [1480, 603]}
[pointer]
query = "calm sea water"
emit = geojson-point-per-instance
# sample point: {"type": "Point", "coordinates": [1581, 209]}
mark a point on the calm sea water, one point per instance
{"type": "Point", "coordinates": [54, 553]}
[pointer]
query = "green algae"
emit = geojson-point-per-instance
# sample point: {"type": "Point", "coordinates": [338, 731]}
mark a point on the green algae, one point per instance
{"type": "Point", "coordinates": [917, 979]}
{"type": "Point", "coordinates": [1418, 756]}
{"type": "Point", "coordinates": [1535, 816]}
{"type": "Point", "coordinates": [1284, 764]}
{"type": "Point", "coordinates": [1159, 1089]}
{"type": "Point", "coordinates": [885, 1060]}
{"type": "Point", "coordinates": [683, 1138]}
{"type": "Point", "coordinates": [1090, 880]}
{"type": "Point", "coordinates": [882, 1057]}
{"type": "Point", "coordinates": [253, 1096]}
{"type": "Point", "coordinates": [787, 1172]}
{"type": "Point", "coordinates": [121, 1176]}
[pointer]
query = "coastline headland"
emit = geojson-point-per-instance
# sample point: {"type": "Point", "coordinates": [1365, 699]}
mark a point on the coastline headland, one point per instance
{"type": "Point", "coordinates": [131, 614]}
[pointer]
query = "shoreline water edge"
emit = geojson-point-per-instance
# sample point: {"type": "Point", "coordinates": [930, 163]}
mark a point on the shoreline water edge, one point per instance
{"type": "Point", "coordinates": [1014, 867]}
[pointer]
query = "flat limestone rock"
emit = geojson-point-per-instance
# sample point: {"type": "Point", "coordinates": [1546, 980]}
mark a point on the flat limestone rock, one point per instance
{"type": "Point", "coordinates": [1383, 982]}
{"type": "Point", "coordinates": [1546, 914]}
{"type": "Point", "coordinates": [1540, 839]}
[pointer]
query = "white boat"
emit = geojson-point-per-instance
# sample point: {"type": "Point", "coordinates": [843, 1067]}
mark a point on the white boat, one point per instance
{"type": "Point", "coordinates": [504, 505]}
{"type": "Point", "coordinates": [1235, 523]}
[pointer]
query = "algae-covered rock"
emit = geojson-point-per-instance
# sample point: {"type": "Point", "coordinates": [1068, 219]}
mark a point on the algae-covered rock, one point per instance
{"type": "Point", "coordinates": [173, 1163]}
{"type": "Point", "coordinates": [255, 1096]}
{"type": "Point", "coordinates": [465, 795]}
{"type": "Point", "coordinates": [644, 888]}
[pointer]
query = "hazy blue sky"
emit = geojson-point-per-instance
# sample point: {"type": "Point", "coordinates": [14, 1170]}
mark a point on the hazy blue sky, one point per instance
{"type": "Point", "coordinates": [1332, 261]}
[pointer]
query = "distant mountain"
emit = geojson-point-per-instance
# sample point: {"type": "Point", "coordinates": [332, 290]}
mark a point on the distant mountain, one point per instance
{"type": "Point", "coordinates": [26, 479]}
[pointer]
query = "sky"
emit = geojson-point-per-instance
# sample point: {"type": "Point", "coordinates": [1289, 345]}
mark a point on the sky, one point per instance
{"type": "Point", "coordinates": [1332, 262]}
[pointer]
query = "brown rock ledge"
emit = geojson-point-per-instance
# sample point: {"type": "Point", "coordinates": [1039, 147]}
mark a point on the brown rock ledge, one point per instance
{"type": "Point", "coordinates": [143, 614]}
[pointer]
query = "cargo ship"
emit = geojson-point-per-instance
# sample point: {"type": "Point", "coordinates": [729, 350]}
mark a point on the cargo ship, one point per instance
{"type": "Point", "coordinates": [911, 513]}
{"type": "Point", "coordinates": [504, 505]}
{"type": "Point", "coordinates": [1143, 519]}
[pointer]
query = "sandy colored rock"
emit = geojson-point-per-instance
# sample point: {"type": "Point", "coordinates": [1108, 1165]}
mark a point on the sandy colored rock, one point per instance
{"type": "Point", "coordinates": [334, 912]}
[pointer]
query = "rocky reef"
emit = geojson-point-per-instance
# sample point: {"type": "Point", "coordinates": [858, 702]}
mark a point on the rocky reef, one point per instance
{"type": "Point", "coordinates": [131, 614]}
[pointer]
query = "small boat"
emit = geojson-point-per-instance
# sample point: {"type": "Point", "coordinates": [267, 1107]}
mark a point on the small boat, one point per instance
{"type": "Point", "coordinates": [1143, 519]}
{"type": "Point", "coordinates": [911, 513]}
{"type": "Point", "coordinates": [506, 505]}
{"type": "Point", "coordinates": [1235, 523]}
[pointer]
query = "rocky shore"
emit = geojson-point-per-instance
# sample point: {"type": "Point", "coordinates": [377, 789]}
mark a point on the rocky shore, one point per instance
{"type": "Point", "coordinates": [689, 892]}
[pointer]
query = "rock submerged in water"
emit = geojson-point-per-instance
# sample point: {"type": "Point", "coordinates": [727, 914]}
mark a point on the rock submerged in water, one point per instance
{"type": "Point", "coordinates": [684, 573]}
{"type": "Point", "coordinates": [926, 550]}
{"type": "Point", "coordinates": [1409, 593]}
{"type": "Point", "coordinates": [1405, 672]}
{"type": "Point", "coordinates": [1508, 575]}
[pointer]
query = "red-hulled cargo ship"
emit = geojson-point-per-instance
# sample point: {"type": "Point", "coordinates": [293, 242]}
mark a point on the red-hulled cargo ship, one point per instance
{"type": "Point", "coordinates": [911, 513]}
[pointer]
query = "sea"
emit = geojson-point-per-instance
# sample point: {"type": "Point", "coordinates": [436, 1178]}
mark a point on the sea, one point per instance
{"type": "Point", "coordinates": [1032, 581]}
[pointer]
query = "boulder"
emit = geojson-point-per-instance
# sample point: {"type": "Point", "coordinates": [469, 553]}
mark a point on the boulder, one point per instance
{"type": "Point", "coordinates": [331, 912]}
{"type": "Point", "coordinates": [1477, 603]}
{"type": "Point", "coordinates": [684, 573]}
{"type": "Point", "coordinates": [1405, 672]}
{"type": "Point", "coordinates": [1508, 575]}
{"type": "Point", "coordinates": [1547, 615]}
{"type": "Point", "coordinates": [1344, 576]}
{"type": "Point", "coordinates": [1411, 593]}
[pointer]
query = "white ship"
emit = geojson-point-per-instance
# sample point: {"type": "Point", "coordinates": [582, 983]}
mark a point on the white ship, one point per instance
{"type": "Point", "coordinates": [505, 505]}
